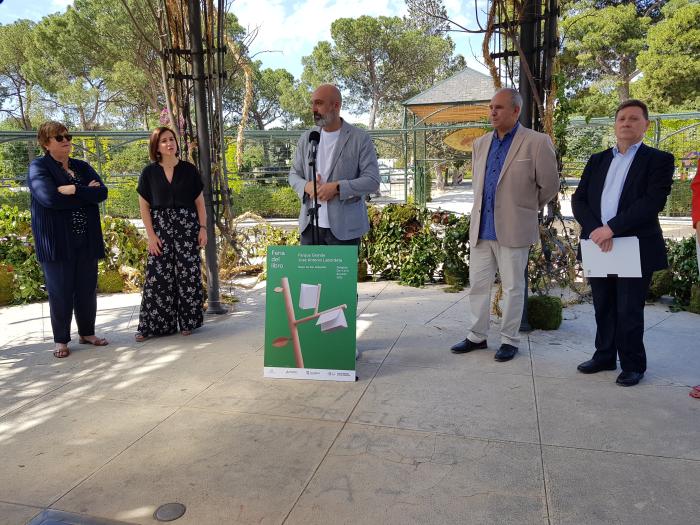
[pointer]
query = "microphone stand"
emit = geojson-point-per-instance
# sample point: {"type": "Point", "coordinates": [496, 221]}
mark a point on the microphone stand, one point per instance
{"type": "Point", "coordinates": [313, 211]}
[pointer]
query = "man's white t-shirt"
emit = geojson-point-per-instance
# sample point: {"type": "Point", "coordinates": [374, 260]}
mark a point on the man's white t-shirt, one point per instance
{"type": "Point", "coordinates": [323, 164]}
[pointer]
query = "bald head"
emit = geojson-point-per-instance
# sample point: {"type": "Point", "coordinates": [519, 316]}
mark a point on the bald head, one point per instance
{"type": "Point", "coordinates": [326, 102]}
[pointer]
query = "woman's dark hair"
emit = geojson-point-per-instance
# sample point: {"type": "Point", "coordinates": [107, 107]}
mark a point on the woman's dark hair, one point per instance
{"type": "Point", "coordinates": [155, 139]}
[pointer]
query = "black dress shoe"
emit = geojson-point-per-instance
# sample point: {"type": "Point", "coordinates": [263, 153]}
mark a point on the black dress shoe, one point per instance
{"type": "Point", "coordinates": [506, 352]}
{"type": "Point", "coordinates": [592, 367]}
{"type": "Point", "coordinates": [467, 346]}
{"type": "Point", "coordinates": [629, 378]}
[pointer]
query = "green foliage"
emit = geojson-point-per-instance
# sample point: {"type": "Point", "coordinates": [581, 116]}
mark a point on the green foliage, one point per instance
{"type": "Point", "coordinates": [409, 243]}
{"type": "Point", "coordinates": [17, 250]}
{"type": "Point", "coordinates": [455, 249]}
{"type": "Point", "coordinates": [682, 259]}
{"type": "Point", "coordinates": [377, 61]}
{"type": "Point", "coordinates": [122, 200]}
{"type": "Point", "coordinates": [544, 312]}
{"type": "Point", "coordinates": [671, 61]}
{"type": "Point", "coordinates": [661, 284]}
{"type": "Point", "coordinates": [7, 274]}
{"type": "Point", "coordinates": [267, 201]}
{"type": "Point", "coordinates": [110, 281]}
{"type": "Point", "coordinates": [285, 202]}
{"type": "Point", "coordinates": [679, 200]}
{"type": "Point", "coordinates": [124, 245]}
{"type": "Point", "coordinates": [694, 303]}
{"type": "Point", "coordinates": [15, 197]}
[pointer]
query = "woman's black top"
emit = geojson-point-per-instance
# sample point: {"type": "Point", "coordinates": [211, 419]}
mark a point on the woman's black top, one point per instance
{"type": "Point", "coordinates": [185, 187]}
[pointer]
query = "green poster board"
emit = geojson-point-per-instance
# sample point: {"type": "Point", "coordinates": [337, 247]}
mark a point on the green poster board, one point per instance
{"type": "Point", "coordinates": [310, 310]}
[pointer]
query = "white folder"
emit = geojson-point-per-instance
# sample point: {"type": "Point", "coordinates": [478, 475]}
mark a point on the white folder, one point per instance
{"type": "Point", "coordinates": [308, 296]}
{"type": "Point", "coordinates": [623, 260]}
{"type": "Point", "coordinates": [332, 320]}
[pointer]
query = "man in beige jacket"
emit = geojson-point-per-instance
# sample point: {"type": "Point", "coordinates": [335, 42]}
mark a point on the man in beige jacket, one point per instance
{"type": "Point", "coordinates": [514, 175]}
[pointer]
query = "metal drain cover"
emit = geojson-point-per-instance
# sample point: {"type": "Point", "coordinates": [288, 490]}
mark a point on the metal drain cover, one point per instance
{"type": "Point", "coordinates": [169, 512]}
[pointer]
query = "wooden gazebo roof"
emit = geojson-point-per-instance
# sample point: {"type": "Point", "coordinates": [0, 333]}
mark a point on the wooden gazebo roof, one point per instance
{"type": "Point", "coordinates": [463, 97]}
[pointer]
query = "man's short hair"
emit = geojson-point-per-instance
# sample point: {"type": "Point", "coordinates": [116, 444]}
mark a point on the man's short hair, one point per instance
{"type": "Point", "coordinates": [633, 103]}
{"type": "Point", "coordinates": [49, 129]}
{"type": "Point", "coordinates": [515, 98]}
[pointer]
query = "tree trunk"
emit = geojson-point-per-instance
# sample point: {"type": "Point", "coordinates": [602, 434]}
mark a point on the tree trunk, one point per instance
{"type": "Point", "coordinates": [623, 90]}
{"type": "Point", "coordinates": [373, 112]}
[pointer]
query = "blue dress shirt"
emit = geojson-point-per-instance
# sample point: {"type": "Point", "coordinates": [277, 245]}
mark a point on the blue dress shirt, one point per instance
{"type": "Point", "coordinates": [615, 180]}
{"type": "Point", "coordinates": [494, 164]}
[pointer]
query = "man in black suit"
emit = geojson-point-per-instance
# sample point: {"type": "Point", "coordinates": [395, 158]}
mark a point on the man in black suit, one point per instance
{"type": "Point", "coordinates": [621, 192]}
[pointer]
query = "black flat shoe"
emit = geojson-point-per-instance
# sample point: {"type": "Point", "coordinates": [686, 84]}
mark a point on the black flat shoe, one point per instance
{"type": "Point", "coordinates": [506, 353]}
{"type": "Point", "coordinates": [629, 378]}
{"type": "Point", "coordinates": [467, 346]}
{"type": "Point", "coordinates": [592, 367]}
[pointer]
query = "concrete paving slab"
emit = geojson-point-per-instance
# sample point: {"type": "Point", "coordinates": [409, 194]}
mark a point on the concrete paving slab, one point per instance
{"type": "Point", "coordinates": [558, 360]}
{"type": "Point", "coordinates": [375, 338]}
{"type": "Point", "coordinates": [429, 347]}
{"type": "Point", "coordinates": [11, 514]}
{"type": "Point", "coordinates": [226, 468]}
{"type": "Point", "coordinates": [467, 403]}
{"type": "Point", "coordinates": [13, 399]}
{"type": "Point", "coordinates": [581, 413]}
{"type": "Point", "coordinates": [391, 476]}
{"type": "Point", "coordinates": [600, 488]}
{"type": "Point", "coordinates": [244, 389]}
{"type": "Point", "coordinates": [169, 377]}
{"type": "Point", "coordinates": [408, 305]}
{"type": "Point", "coordinates": [34, 370]}
{"type": "Point", "coordinates": [55, 442]}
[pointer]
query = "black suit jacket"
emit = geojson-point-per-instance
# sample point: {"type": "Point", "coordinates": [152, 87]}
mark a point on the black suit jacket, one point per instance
{"type": "Point", "coordinates": [643, 196]}
{"type": "Point", "coordinates": [52, 211]}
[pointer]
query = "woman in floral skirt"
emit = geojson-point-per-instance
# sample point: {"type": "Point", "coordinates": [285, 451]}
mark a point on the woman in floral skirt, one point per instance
{"type": "Point", "coordinates": [173, 213]}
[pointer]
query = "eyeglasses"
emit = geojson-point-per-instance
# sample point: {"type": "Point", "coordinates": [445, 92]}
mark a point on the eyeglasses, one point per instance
{"type": "Point", "coordinates": [67, 136]}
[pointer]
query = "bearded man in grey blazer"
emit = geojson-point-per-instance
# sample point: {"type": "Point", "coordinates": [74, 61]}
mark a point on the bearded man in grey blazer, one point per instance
{"type": "Point", "coordinates": [347, 171]}
{"type": "Point", "coordinates": [514, 174]}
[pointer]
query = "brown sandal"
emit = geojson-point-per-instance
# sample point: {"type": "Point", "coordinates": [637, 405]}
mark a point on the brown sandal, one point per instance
{"type": "Point", "coordinates": [99, 341]}
{"type": "Point", "coordinates": [140, 338]}
{"type": "Point", "coordinates": [60, 353]}
{"type": "Point", "coordinates": [186, 332]}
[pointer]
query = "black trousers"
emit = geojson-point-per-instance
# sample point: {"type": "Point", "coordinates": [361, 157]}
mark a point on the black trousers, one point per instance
{"type": "Point", "coordinates": [325, 237]}
{"type": "Point", "coordinates": [619, 317]}
{"type": "Point", "coordinates": [72, 287]}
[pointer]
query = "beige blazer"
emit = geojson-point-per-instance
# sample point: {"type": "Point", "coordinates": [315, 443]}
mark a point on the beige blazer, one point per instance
{"type": "Point", "coordinates": [528, 180]}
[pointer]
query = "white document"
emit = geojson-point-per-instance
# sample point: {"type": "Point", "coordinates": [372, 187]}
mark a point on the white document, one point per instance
{"type": "Point", "coordinates": [308, 296]}
{"type": "Point", "coordinates": [623, 260]}
{"type": "Point", "coordinates": [332, 320]}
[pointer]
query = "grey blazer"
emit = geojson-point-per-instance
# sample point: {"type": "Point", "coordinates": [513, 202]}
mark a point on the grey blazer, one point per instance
{"type": "Point", "coordinates": [354, 166]}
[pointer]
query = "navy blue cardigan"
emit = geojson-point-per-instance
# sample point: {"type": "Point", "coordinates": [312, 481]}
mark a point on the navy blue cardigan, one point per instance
{"type": "Point", "coordinates": [51, 210]}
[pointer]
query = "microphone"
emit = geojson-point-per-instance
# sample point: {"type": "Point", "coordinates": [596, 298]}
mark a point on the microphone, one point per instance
{"type": "Point", "coordinates": [314, 138]}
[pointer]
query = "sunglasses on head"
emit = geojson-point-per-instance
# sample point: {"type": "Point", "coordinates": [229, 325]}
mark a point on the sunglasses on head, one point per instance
{"type": "Point", "coordinates": [67, 136]}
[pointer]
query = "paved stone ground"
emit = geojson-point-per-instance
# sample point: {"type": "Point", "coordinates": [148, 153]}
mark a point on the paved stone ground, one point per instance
{"type": "Point", "coordinates": [423, 437]}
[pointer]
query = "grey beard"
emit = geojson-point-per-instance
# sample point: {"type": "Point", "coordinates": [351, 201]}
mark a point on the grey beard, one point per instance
{"type": "Point", "coordinates": [320, 122]}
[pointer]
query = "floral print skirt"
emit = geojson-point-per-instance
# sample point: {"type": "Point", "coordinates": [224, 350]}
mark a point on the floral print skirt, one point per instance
{"type": "Point", "coordinates": [173, 296]}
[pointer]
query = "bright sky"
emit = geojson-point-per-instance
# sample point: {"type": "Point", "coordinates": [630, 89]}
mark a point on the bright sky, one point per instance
{"type": "Point", "coordinates": [288, 29]}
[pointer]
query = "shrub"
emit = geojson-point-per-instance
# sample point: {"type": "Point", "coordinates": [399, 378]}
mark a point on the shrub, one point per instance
{"type": "Point", "coordinates": [15, 197]}
{"type": "Point", "coordinates": [683, 264]}
{"type": "Point", "coordinates": [544, 312]}
{"type": "Point", "coordinates": [109, 281]}
{"type": "Point", "coordinates": [123, 201]}
{"type": "Point", "coordinates": [678, 202]}
{"type": "Point", "coordinates": [694, 304]}
{"type": "Point", "coordinates": [285, 202]}
{"type": "Point", "coordinates": [6, 283]}
{"type": "Point", "coordinates": [661, 283]}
